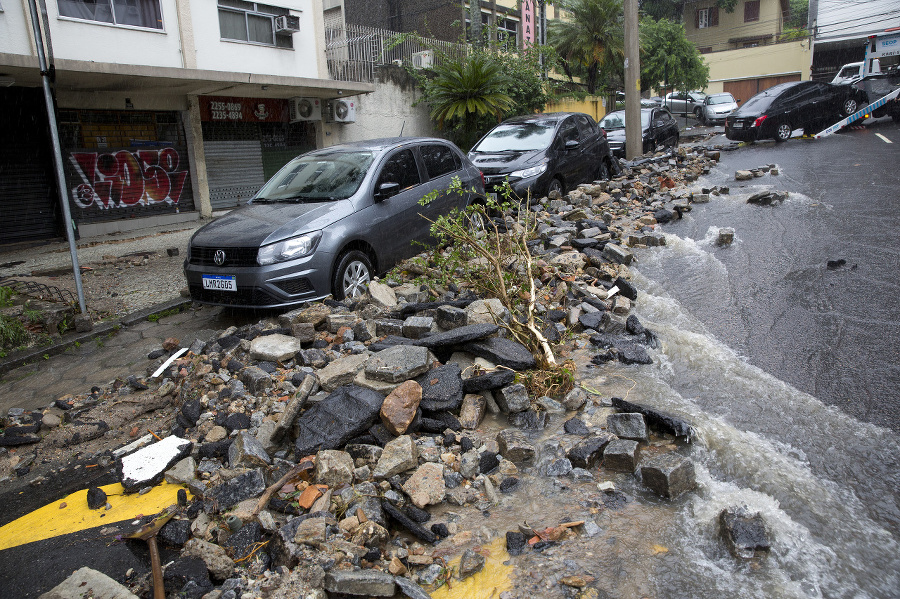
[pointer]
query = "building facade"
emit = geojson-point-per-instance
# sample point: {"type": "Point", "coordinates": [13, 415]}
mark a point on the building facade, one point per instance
{"type": "Point", "coordinates": [745, 49]}
{"type": "Point", "coordinates": [166, 109]}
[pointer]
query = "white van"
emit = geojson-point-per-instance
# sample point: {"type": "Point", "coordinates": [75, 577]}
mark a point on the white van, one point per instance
{"type": "Point", "coordinates": [852, 72]}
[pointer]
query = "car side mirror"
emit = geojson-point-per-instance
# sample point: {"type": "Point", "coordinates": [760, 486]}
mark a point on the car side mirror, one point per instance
{"type": "Point", "coordinates": [386, 190]}
{"type": "Point", "coordinates": [572, 144]}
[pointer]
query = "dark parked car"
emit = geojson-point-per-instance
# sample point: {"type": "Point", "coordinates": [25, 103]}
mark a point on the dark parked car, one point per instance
{"type": "Point", "coordinates": [658, 129]}
{"type": "Point", "coordinates": [542, 153]}
{"type": "Point", "coordinates": [777, 111]}
{"type": "Point", "coordinates": [327, 222]}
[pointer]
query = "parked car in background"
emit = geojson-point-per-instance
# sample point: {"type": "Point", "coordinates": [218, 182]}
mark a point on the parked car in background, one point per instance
{"type": "Point", "coordinates": [541, 153]}
{"type": "Point", "coordinates": [777, 111]}
{"type": "Point", "coordinates": [716, 107]}
{"type": "Point", "coordinates": [852, 72]}
{"type": "Point", "coordinates": [684, 102]}
{"type": "Point", "coordinates": [658, 129]}
{"type": "Point", "coordinates": [327, 222]}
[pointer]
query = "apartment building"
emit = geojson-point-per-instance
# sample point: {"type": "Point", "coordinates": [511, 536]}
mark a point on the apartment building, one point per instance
{"type": "Point", "coordinates": [167, 109]}
{"type": "Point", "coordinates": [745, 49]}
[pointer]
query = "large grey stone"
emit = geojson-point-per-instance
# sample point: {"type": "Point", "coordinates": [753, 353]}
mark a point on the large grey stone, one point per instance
{"type": "Point", "coordinates": [329, 424]}
{"type": "Point", "coordinates": [669, 474]}
{"type": "Point", "coordinates": [502, 351]}
{"type": "Point", "coordinates": [230, 493]}
{"type": "Point", "coordinates": [399, 408]}
{"type": "Point", "coordinates": [218, 563]}
{"type": "Point", "coordinates": [658, 418]}
{"type": "Point", "coordinates": [369, 583]}
{"type": "Point", "coordinates": [514, 446]}
{"type": "Point", "coordinates": [86, 582]}
{"type": "Point", "coordinates": [411, 589]}
{"type": "Point", "coordinates": [398, 456]}
{"type": "Point", "coordinates": [489, 380]}
{"type": "Point", "coordinates": [388, 326]}
{"type": "Point", "coordinates": [513, 398]}
{"type": "Point", "coordinates": [426, 486]}
{"type": "Point", "coordinates": [628, 426]}
{"type": "Point", "coordinates": [416, 327]}
{"type": "Point", "coordinates": [459, 335]}
{"type": "Point", "coordinates": [621, 455]}
{"type": "Point", "coordinates": [182, 473]}
{"type": "Point", "coordinates": [450, 317]}
{"type": "Point", "coordinates": [334, 468]}
{"type": "Point", "coordinates": [744, 532]}
{"type": "Point", "coordinates": [486, 311]}
{"type": "Point", "coordinates": [589, 451]}
{"type": "Point", "coordinates": [274, 348]}
{"type": "Point", "coordinates": [382, 295]}
{"type": "Point", "coordinates": [342, 371]}
{"type": "Point", "coordinates": [247, 452]}
{"type": "Point", "coordinates": [618, 254]}
{"type": "Point", "coordinates": [147, 466]}
{"type": "Point", "coordinates": [442, 388]}
{"type": "Point", "coordinates": [397, 364]}
{"type": "Point", "coordinates": [257, 380]}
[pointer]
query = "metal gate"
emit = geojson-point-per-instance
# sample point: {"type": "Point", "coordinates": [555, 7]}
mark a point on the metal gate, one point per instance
{"type": "Point", "coordinates": [234, 170]}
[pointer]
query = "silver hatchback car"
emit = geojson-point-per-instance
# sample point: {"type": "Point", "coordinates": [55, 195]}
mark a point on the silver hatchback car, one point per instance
{"type": "Point", "coordinates": [327, 222]}
{"type": "Point", "coordinates": [716, 107]}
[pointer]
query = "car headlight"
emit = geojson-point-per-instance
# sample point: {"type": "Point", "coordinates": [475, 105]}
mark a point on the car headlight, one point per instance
{"type": "Point", "coordinates": [532, 171]}
{"type": "Point", "coordinates": [289, 249]}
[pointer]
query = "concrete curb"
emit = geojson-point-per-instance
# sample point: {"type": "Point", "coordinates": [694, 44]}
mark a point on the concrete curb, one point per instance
{"type": "Point", "coordinates": [104, 329]}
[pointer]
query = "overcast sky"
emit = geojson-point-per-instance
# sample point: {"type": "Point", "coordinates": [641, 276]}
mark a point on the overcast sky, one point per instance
{"type": "Point", "coordinates": [842, 19]}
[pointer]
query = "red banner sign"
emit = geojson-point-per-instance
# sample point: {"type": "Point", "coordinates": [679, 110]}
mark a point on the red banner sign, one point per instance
{"type": "Point", "coordinates": [528, 23]}
{"type": "Point", "coordinates": [243, 110]}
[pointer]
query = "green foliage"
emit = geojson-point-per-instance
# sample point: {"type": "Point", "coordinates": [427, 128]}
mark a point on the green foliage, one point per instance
{"type": "Point", "coordinates": [668, 58]}
{"type": "Point", "coordinates": [798, 16]}
{"type": "Point", "coordinates": [797, 33]}
{"type": "Point", "coordinates": [12, 332]}
{"type": "Point", "coordinates": [163, 314]}
{"type": "Point", "coordinates": [6, 297]}
{"type": "Point", "coordinates": [591, 39]}
{"type": "Point", "coordinates": [674, 9]}
{"type": "Point", "coordinates": [32, 316]}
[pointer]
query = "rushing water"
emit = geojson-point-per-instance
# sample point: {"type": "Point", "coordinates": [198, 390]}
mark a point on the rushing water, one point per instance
{"type": "Point", "coordinates": [776, 358]}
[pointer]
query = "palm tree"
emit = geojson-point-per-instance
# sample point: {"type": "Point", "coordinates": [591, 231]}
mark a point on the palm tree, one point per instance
{"type": "Point", "coordinates": [466, 88]}
{"type": "Point", "coordinates": [590, 38]}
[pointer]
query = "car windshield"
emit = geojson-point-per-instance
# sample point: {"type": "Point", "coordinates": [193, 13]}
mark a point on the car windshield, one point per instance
{"type": "Point", "coordinates": [720, 99]}
{"type": "Point", "coordinates": [616, 120]}
{"type": "Point", "coordinates": [317, 177]}
{"type": "Point", "coordinates": [518, 137]}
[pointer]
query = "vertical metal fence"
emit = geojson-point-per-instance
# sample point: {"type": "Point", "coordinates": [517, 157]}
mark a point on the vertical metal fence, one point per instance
{"type": "Point", "coordinates": [353, 51]}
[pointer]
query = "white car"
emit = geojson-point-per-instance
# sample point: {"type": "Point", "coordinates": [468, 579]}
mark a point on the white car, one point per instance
{"type": "Point", "coordinates": [716, 107]}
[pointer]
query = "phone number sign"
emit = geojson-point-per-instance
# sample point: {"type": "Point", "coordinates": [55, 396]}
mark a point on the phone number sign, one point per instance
{"type": "Point", "coordinates": [243, 110]}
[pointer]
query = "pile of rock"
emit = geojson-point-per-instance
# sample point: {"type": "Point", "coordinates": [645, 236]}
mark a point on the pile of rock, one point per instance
{"type": "Point", "coordinates": [358, 416]}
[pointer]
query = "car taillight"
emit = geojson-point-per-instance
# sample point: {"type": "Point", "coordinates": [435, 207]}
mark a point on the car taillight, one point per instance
{"type": "Point", "coordinates": [758, 122]}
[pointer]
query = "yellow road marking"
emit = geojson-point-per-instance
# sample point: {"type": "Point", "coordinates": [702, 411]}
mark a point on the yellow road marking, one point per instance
{"type": "Point", "coordinates": [53, 521]}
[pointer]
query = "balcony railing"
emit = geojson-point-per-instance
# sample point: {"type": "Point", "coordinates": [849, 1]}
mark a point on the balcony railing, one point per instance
{"type": "Point", "coordinates": [353, 51]}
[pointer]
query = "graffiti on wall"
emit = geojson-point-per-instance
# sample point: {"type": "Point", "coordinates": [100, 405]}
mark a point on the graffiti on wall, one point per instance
{"type": "Point", "coordinates": [126, 178]}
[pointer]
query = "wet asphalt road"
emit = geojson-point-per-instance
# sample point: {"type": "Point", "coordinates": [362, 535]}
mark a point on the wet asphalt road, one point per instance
{"type": "Point", "coordinates": [829, 332]}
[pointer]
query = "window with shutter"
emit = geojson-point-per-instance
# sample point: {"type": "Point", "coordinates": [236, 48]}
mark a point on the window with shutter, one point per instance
{"type": "Point", "coordinates": [706, 17]}
{"type": "Point", "coordinates": [751, 11]}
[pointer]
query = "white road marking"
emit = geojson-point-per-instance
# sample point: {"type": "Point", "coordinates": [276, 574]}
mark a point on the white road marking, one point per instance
{"type": "Point", "coordinates": [884, 139]}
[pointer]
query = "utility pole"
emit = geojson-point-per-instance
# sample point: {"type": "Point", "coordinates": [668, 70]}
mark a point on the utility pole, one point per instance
{"type": "Point", "coordinates": [57, 151]}
{"type": "Point", "coordinates": [633, 137]}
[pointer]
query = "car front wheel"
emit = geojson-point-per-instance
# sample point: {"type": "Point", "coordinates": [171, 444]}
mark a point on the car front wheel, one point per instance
{"type": "Point", "coordinates": [352, 275]}
{"type": "Point", "coordinates": [603, 171]}
{"type": "Point", "coordinates": [697, 112]}
{"type": "Point", "coordinates": [849, 106]}
{"type": "Point", "coordinates": [783, 131]}
{"type": "Point", "coordinates": [555, 185]}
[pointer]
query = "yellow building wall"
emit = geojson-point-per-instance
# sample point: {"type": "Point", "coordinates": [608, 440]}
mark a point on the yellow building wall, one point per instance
{"type": "Point", "coordinates": [731, 25]}
{"type": "Point", "coordinates": [763, 61]}
{"type": "Point", "coordinates": [592, 105]}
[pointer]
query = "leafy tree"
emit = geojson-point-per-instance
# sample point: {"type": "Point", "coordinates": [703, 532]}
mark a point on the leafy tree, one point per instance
{"type": "Point", "coordinates": [590, 39]}
{"type": "Point", "coordinates": [667, 57]}
{"type": "Point", "coordinates": [798, 15]}
{"type": "Point", "coordinates": [674, 9]}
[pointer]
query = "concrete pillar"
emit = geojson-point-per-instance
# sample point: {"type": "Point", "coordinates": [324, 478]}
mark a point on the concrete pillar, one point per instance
{"type": "Point", "coordinates": [193, 131]}
{"type": "Point", "coordinates": [186, 33]}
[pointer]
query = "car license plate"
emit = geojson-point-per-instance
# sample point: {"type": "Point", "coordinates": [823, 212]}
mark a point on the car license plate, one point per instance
{"type": "Point", "coordinates": [220, 282]}
{"type": "Point", "coordinates": [492, 195]}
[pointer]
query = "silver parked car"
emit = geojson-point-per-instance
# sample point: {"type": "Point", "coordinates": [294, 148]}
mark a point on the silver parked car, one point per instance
{"type": "Point", "coordinates": [716, 107]}
{"type": "Point", "coordinates": [327, 222]}
{"type": "Point", "coordinates": [684, 102]}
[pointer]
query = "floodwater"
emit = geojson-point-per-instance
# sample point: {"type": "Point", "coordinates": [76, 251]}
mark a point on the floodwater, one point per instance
{"type": "Point", "coordinates": [787, 369]}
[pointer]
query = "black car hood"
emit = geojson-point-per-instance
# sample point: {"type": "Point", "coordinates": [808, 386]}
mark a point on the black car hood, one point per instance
{"type": "Point", "coordinates": [254, 225]}
{"type": "Point", "coordinates": [491, 163]}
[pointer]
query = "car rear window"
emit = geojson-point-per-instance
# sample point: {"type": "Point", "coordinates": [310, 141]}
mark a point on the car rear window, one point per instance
{"type": "Point", "coordinates": [439, 160]}
{"type": "Point", "coordinates": [518, 137]}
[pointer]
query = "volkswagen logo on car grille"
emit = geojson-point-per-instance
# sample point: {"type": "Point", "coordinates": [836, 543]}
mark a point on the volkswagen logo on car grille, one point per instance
{"type": "Point", "coordinates": [219, 257]}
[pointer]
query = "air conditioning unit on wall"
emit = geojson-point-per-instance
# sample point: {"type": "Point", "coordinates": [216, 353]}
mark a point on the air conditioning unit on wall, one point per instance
{"type": "Point", "coordinates": [423, 60]}
{"type": "Point", "coordinates": [343, 111]}
{"type": "Point", "coordinates": [287, 24]}
{"type": "Point", "coordinates": [304, 109]}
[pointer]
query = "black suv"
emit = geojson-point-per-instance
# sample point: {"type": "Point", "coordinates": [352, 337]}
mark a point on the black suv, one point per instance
{"type": "Point", "coordinates": [543, 153]}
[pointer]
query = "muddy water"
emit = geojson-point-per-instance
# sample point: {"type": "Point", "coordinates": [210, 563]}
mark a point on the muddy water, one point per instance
{"type": "Point", "coordinates": [749, 335]}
